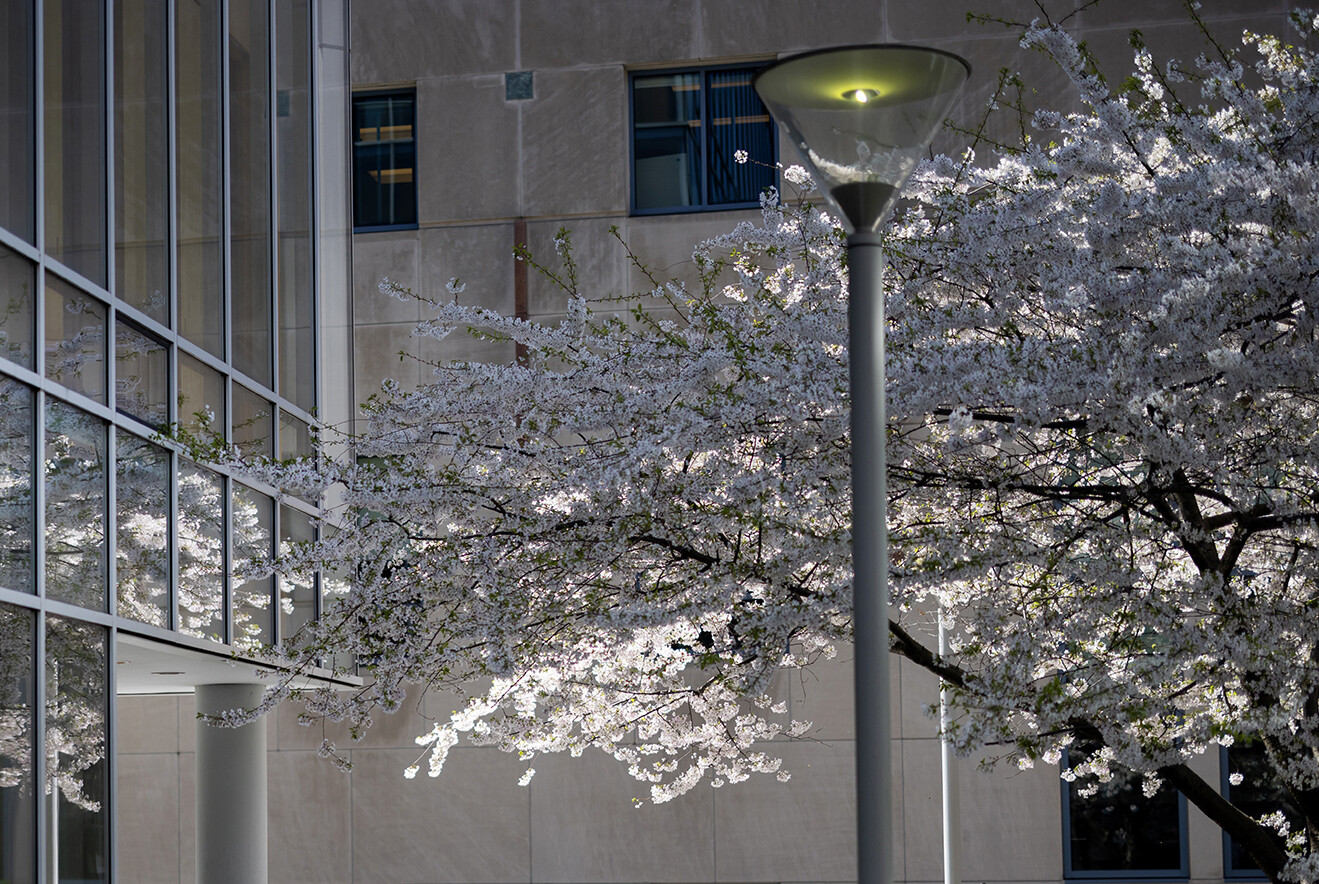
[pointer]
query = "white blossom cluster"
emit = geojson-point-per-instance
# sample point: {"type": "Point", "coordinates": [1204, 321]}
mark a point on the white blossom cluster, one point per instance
{"type": "Point", "coordinates": [1103, 454]}
{"type": "Point", "coordinates": [550, 526]}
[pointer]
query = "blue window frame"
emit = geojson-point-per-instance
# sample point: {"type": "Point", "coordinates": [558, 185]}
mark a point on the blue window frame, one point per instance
{"type": "Point", "coordinates": [384, 160]}
{"type": "Point", "coordinates": [687, 127]}
{"type": "Point", "coordinates": [1257, 794]}
{"type": "Point", "coordinates": [1119, 833]}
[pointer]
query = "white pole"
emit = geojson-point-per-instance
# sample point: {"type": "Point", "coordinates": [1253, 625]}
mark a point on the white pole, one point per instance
{"type": "Point", "coordinates": [952, 805]}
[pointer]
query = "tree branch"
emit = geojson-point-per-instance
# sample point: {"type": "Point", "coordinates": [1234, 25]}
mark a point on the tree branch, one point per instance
{"type": "Point", "coordinates": [1248, 833]}
{"type": "Point", "coordinates": [903, 644]}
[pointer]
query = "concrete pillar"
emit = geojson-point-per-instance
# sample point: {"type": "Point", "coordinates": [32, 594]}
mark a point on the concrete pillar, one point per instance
{"type": "Point", "coordinates": [231, 790]}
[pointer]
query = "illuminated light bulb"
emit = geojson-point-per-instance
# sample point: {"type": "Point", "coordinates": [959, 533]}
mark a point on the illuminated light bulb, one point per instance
{"type": "Point", "coordinates": [861, 95]}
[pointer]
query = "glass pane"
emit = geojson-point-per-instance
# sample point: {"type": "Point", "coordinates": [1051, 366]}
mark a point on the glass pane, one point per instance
{"type": "Point", "coordinates": [141, 156]}
{"type": "Point", "coordinates": [384, 155]}
{"type": "Point", "coordinates": [336, 582]}
{"type": "Point", "coordinates": [666, 141]}
{"type": "Point", "coordinates": [17, 132]}
{"type": "Point", "coordinates": [297, 596]}
{"type": "Point", "coordinates": [141, 375]}
{"type": "Point", "coordinates": [201, 552]}
{"type": "Point", "coordinates": [249, 164]}
{"type": "Point", "coordinates": [1118, 828]}
{"type": "Point", "coordinates": [76, 713]}
{"type": "Point", "coordinates": [75, 506]}
{"type": "Point", "coordinates": [75, 339]}
{"type": "Point", "coordinates": [200, 155]}
{"type": "Point", "coordinates": [293, 131]}
{"type": "Point", "coordinates": [254, 541]}
{"type": "Point", "coordinates": [142, 530]}
{"type": "Point", "coordinates": [17, 523]}
{"type": "Point", "coordinates": [254, 423]}
{"type": "Point", "coordinates": [18, 283]}
{"type": "Point", "coordinates": [201, 397]}
{"type": "Point", "coordinates": [294, 437]}
{"type": "Point", "coordinates": [1258, 793]}
{"type": "Point", "coordinates": [18, 800]}
{"type": "Point", "coordinates": [75, 135]}
{"type": "Point", "coordinates": [738, 121]}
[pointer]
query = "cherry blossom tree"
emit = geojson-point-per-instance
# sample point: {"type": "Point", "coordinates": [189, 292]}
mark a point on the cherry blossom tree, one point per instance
{"type": "Point", "coordinates": [1104, 469]}
{"type": "Point", "coordinates": [1105, 372]}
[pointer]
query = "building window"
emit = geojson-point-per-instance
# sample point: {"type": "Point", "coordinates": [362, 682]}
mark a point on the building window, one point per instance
{"type": "Point", "coordinates": [687, 129]}
{"type": "Point", "coordinates": [384, 161]}
{"type": "Point", "coordinates": [1111, 830]}
{"type": "Point", "coordinates": [1256, 793]}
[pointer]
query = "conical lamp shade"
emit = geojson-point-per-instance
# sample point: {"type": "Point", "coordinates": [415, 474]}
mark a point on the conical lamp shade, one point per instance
{"type": "Point", "coordinates": [862, 117]}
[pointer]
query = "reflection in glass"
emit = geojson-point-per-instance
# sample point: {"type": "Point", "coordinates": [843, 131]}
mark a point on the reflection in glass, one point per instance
{"type": "Point", "coordinates": [17, 132]}
{"type": "Point", "coordinates": [75, 506]}
{"type": "Point", "coordinates": [254, 542]}
{"type": "Point", "coordinates": [738, 121]}
{"type": "Point", "coordinates": [76, 713]}
{"type": "Point", "coordinates": [201, 397]}
{"type": "Point", "coordinates": [667, 140]}
{"type": "Point", "coordinates": [1117, 828]}
{"type": "Point", "coordinates": [142, 530]}
{"type": "Point", "coordinates": [74, 103]}
{"type": "Point", "coordinates": [297, 596]}
{"type": "Point", "coordinates": [293, 134]}
{"type": "Point", "coordinates": [18, 281]}
{"type": "Point", "coordinates": [1258, 793]}
{"type": "Point", "coordinates": [199, 156]}
{"type": "Point", "coordinates": [336, 582]}
{"type": "Point", "coordinates": [384, 157]}
{"type": "Point", "coordinates": [141, 156]}
{"type": "Point", "coordinates": [141, 374]}
{"type": "Point", "coordinates": [200, 517]}
{"type": "Point", "coordinates": [254, 423]}
{"type": "Point", "coordinates": [18, 836]}
{"type": "Point", "coordinates": [249, 168]}
{"type": "Point", "coordinates": [294, 437]}
{"type": "Point", "coordinates": [17, 524]}
{"type": "Point", "coordinates": [75, 339]}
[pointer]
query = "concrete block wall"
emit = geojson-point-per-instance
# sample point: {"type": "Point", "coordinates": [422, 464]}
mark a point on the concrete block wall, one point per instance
{"type": "Point", "coordinates": [575, 821]}
{"type": "Point", "coordinates": [560, 159]}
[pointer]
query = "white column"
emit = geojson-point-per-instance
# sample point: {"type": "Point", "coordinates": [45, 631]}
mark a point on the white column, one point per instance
{"type": "Point", "coordinates": [952, 801]}
{"type": "Point", "coordinates": [231, 790]}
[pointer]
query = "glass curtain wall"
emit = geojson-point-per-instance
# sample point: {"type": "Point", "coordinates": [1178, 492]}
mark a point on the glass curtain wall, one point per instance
{"type": "Point", "coordinates": [249, 187]}
{"type": "Point", "coordinates": [199, 156]}
{"type": "Point", "coordinates": [17, 124]}
{"type": "Point", "coordinates": [74, 116]}
{"type": "Point", "coordinates": [141, 155]}
{"type": "Point", "coordinates": [161, 230]}
{"type": "Point", "coordinates": [293, 127]}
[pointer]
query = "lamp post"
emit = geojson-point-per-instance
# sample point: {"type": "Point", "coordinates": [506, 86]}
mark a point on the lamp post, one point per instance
{"type": "Point", "coordinates": [861, 117]}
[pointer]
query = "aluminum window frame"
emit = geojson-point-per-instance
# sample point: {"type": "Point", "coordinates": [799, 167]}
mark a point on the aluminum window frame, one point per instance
{"type": "Point", "coordinates": [704, 205]}
{"type": "Point", "coordinates": [1231, 872]}
{"type": "Point", "coordinates": [1181, 873]}
{"type": "Point", "coordinates": [363, 95]}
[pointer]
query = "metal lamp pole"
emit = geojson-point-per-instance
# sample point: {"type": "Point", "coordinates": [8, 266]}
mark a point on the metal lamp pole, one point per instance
{"type": "Point", "coordinates": [861, 116]}
{"type": "Point", "coordinates": [874, 774]}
